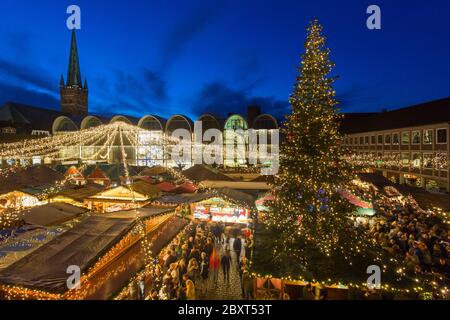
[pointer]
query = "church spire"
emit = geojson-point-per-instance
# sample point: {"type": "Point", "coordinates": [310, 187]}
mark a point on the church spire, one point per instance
{"type": "Point", "coordinates": [61, 82]}
{"type": "Point", "coordinates": [74, 97]}
{"type": "Point", "coordinates": [74, 73]}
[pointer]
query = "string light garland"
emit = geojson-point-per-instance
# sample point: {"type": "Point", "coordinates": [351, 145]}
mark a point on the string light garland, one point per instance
{"type": "Point", "coordinates": [306, 202]}
{"type": "Point", "coordinates": [308, 215]}
{"type": "Point", "coordinates": [394, 160]}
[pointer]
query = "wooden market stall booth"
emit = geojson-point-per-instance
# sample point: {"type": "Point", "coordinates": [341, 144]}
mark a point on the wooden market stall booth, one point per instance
{"type": "Point", "coordinates": [28, 187]}
{"type": "Point", "coordinates": [107, 248]}
{"type": "Point", "coordinates": [77, 196]}
{"type": "Point", "coordinates": [18, 199]}
{"type": "Point", "coordinates": [223, 205]}
{"type": "Point", "coordinates": [123, 197]}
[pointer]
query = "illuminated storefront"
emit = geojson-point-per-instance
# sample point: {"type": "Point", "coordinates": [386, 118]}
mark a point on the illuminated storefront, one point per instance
{"type": "Point", "coordinates": [218, 210]}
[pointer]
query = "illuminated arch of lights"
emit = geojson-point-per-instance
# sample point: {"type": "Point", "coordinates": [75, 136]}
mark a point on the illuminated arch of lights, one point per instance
{"type": "Point", "coordinates": [57, 147]}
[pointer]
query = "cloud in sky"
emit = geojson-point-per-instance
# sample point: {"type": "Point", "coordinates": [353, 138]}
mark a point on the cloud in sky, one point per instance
{"type": "Point", "coordinates": [218, 97]}
{"type": "Point", "coordinates": [140, 93]}
{"type": "Point", "coordinates": [253, 49]}
{"type": "Point", "coordinates": [26, 84]}
{"type": "Point", "coordinates": [13, 72]}
{"type": "Point", "coordinates": [27, 96]}
{"type": "Point", "coordinates": [185, 31]}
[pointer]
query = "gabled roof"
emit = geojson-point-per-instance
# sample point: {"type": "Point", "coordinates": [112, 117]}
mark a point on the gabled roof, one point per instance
{"type": "Point", "coordinates": [73, 173]}
{"type": "Point", "coordinates": [98, 174]}
{"type": "Point", "coordinates": [81, 246]}
{"type": "Point", "coordinates": [37, 117]}
{"type": "Point", "coordinates": [42, 192]}
{"type": "Point", "coordinates": [237, 196]}
{"type": "Point", "coordinates": [51, 214]}
{"type": "Point", "coordinates": [117, 171]}
{"type": "Point", "coordinates": [146, 188]}
{"type": "Point", "coordinates": [138, 191]}
{"type": "Point", "coordinates": [81, 193]}
{"type": "Point", "coordinates": [30, 177]}
{"type": "Point", "coordinates": [144, 178]}
{"type": "Point", "coordinates": [145, 212]}
{"type": "Point", "coordinates": [10, 114]}
{"type": "Point", "coordinates": [120, 193]}
{"type": "Point", "coordinates": [177, 199]}
{"type": "Point", "coordinates": [231, 195]}
{"type": "Point", "coordinates": [201, 172]}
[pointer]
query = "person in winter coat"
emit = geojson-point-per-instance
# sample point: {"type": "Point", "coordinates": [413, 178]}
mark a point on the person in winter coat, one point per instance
{"type": "Point", "coordinates": [190, 290]}
{"type": "Point", "coordinates": [214, 265]}
{"type": "Point", "coordinates": [226, 263]}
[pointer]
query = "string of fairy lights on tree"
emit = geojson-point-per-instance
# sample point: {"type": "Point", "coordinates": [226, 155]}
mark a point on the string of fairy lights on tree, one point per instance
{"type": "Point", "coordinates": [311, 165]}
{"type": "Point", "coordinates": [308, 215]}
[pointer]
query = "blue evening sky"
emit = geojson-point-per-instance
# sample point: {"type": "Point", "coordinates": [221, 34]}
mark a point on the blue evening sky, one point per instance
{"type": "Point", "coordinates": [188, 57]}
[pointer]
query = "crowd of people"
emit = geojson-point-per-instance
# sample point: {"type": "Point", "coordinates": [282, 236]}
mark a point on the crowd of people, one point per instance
{"type": "Point", "coordinates": [206, 252]}
{"type": "Point", "coordinates": [193, 262]}
{"type": "Point", "coordinates": [418, 237]}
{"type": "Point", "coordinates": [415, 236]}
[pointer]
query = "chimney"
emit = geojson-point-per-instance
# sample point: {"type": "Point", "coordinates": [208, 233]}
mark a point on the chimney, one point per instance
{"type": "Point", "coordinates": [253, 112]}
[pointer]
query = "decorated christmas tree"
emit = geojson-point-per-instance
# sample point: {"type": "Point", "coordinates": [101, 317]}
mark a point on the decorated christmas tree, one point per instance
{"type": "Point", "coordinates": [308, 213]}
{"type": "Point", "coordinates": [309, 234]}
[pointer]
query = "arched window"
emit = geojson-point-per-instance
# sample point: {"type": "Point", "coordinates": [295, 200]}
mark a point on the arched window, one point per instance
{"type": "Point", "coordinates": [236, 122]}
{"type": "Point", "coordinates": [178, 122]}
{"type": "Point", "coordinates": [236, 141]}
{"type": "Point", "coordinates": [90, 122]}
{"type": "Point", "coordinates": [151, 143]}
{"type": "Point", "coordinates": [120, 119]}
{"type": "Point", "coordinates": [63, 124]}
{"type": "Point", "coordinates": [209, 122]}
{"type": "Point", "coordinates": [265, 122]}
{"type": "Point", "coordinates": [151, 123]}
{"type": "Point", "coordinates": [183, 160]}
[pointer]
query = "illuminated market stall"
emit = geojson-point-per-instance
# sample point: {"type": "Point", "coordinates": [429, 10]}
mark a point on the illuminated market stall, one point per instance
{"type": "Point", "coordinates": [36, 226]}
{"type": "Point", "coordinates": [223, 205]}
{"type": "Point", "coordinates": [77, 196]}
{"type": "Point", "coordinates": [218, 209]}
{"type": "Point", "coordinates": [28, 187]}
{"type": "Point", "coordinates": [98, 176]}
{"type": "Point", "coordinates": [107, 257]}
{"type": "Point", "coordinates": [124, 197]}
{"type": "Point", "coordinates": [18, 199]}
